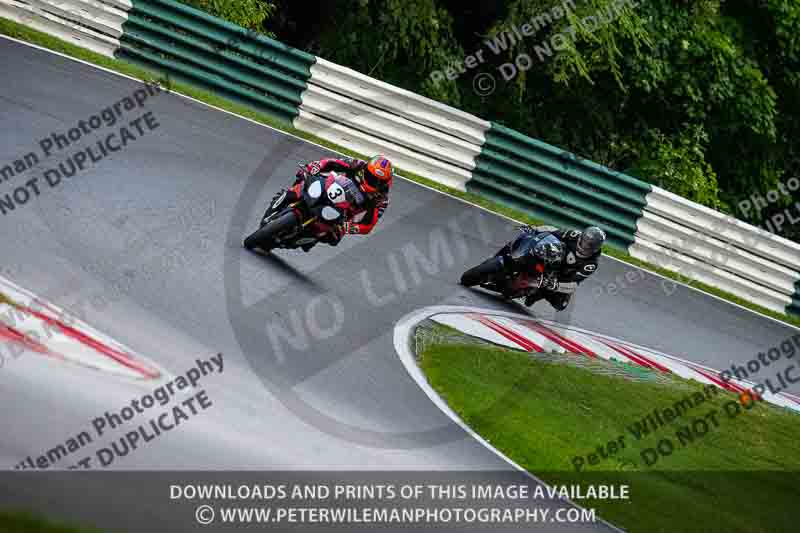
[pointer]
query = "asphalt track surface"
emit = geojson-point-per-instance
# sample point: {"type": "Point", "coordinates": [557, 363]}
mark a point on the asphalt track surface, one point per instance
{"type": "Point", "coordinates": [311, 377]}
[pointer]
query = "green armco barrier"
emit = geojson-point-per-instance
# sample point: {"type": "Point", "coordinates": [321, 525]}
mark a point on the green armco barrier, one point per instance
{"type": "Point", "coordinates": [195, 47]}
{"type": "Point", "coordinates": [794, 307]}
{"type": "Point", "coordinates": [557, 186]}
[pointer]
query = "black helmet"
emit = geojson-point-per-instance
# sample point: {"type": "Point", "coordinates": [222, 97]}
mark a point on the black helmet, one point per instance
{"type": "Point", "coordinates": [590, 241]}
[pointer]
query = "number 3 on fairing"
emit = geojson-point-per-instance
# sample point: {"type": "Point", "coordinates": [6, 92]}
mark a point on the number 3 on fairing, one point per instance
{"type": "Point", "coordinates": [335, 191]}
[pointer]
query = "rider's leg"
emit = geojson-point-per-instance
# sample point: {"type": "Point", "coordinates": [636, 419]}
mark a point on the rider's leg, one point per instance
{"type": "Point", "coordinates": [504, 250]}
{"type": "Point", "coordinates": [280, 201]}
{"type": "Point", "coordinates": [327, 239]}
{"type": "Point", "coordinates": [534, 297]}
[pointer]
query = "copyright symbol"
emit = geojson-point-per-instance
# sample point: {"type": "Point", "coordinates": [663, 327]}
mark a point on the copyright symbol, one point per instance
{"type": "Point", "coordinates": [483, 84]}
{"type": "Point", "coordinates": [204, 515]}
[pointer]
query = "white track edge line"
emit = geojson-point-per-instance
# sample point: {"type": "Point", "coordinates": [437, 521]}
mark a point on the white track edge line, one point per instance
{"type": "Point", "coordinates": [402, 336]}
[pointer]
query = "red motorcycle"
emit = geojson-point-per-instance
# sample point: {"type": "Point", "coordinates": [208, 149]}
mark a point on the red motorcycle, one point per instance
{"type": "Point", "coordinates": [327, 200]}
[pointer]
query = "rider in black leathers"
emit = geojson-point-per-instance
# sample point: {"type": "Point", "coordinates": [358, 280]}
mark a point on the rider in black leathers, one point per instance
{"type": "Point", "coordinates": [582, 251]}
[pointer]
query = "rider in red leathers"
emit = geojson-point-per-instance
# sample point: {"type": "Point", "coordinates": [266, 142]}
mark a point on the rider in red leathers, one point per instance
{"type": "Point", "coordinates": [373, 178]}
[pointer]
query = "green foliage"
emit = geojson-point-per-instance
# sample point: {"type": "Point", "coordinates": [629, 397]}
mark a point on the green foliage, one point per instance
{"type": "Point", "coordinates": [699, 71]}
{"type": "Point", "coordinates": [623, 94]}
{"type": "Point", "coordinates": [399, 41]}
{"type": "Point", "coordinates": [250, 14]}
{"type": "Point", "coordinates": [590, 47]}
{"type": "Point", "coordinates": [25, 522]}
{"type": "Point", "coordinates": [768, 30]}
{"type": "Point", "coordinates": [678, 165]}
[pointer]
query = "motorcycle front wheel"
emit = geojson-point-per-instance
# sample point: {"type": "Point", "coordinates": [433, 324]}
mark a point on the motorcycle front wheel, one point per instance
{"type": "Point", "coordinates": [267, 236]}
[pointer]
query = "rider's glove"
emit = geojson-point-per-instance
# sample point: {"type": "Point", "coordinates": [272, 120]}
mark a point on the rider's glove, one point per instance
{"type": "Point", "coordinates": [348, 228]}
{"type": "Point", "coordinates": [300, 177]}
{"type": "Point", "coordinates": [343, 229]}
{"type": "Point", "coordinates": [313, 168]}
{"type": "Point", "coordinates": [333, 237]}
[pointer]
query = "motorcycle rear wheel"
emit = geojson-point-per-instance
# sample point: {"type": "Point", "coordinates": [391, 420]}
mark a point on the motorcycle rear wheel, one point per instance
{"type": "Point", "coordinates": [266, 237]}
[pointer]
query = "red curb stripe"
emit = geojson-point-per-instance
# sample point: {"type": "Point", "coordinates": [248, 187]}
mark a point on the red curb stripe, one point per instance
{"type": "Point", "coordinates": [648, 361]}
{"type": "Point", "coordinates": [513, 336]}
{"type": "Point", "coordinates": [583, 349]}
{"type": "Point", "coordinates": [714, 379]}
{"type": "Point", "coordinates": [629, 355]}
{"type": "Point", "coordinates": [510, 334]}
{"type": "Point", "coordinates": [636, 355]}
{"type": "Point", "coordinates": [120, 357]}
{"type": "Point", "coordinates": [556, 337]}
{"type": "Point", "coordinates": [13, 335]}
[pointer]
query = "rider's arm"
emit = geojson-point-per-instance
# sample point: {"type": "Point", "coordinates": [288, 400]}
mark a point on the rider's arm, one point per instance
{"type": "Point", "coordinates": [589, 268]}
{"type": "Point", "coordinates": [373, 214]}
{"type": "Point", "coordinates": [326, 165]}
{"type": "Point", "coordinates": [570, 283]}
{"type": "Point", "coordinates": [547, 229]}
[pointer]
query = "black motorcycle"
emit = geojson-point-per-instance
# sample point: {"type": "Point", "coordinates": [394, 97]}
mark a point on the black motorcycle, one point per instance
{"type": "Point", "coordinates": [326, 201]}
{"type": "Point", "coordinates": [524, 266]}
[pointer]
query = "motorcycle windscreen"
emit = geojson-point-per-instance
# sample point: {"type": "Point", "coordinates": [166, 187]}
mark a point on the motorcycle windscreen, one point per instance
{"type": "Point", "coordinates": [524, 244]}
{"type": "Point", "coordinates": [550, 250]}
{"type": "Point", "coordinates": [526, 247]}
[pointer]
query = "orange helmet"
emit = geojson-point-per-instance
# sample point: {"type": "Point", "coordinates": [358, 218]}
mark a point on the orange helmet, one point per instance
{"type": "Point", "coordinates": [378, 175]}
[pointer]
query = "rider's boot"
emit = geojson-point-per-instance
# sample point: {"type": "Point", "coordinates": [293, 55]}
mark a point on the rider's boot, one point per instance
{"type": "Point", "coordinates": [558, 300]}
{"type": "Point", "coordinates": [533, 298]}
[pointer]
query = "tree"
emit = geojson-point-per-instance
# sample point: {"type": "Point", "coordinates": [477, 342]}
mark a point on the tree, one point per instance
{"type": "Point", "coordinates": [250, 14]}
{"type": "Point", "coordinates": [398, 41]}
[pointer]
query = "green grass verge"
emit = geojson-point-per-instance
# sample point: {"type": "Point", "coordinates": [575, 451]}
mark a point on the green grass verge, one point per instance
{"type": "Point", "coordinates": [22, 522]}
{"type": "Point", "coordinates": [738, 477]}
{"type": "Point", "coordinates": [21, 32]}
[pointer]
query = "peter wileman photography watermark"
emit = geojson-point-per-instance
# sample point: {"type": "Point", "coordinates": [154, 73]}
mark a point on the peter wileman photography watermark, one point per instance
{"type": "Point", "coordinates": [650, 422]}
{"type": "Point", "coordinates": [502, 40]}
{"type": "Point", "coordinates": [191, 217]}
{"type": "Point", "coordinates": [484, 83]}
{"type": "Point", "coordinates": [158, 424]}
{"type": "Point", "coordinates": [692, 431]}
{"type": "Point", "coordinates": [80, 160]}
{"type": "Point", "coordinates": [696, 429]}
{"type": "Point", "coordinates": [787, 349]}
{"type": "Point", "coordinates": [775, 222]}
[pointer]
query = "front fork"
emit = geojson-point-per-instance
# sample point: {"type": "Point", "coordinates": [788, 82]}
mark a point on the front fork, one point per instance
{"type": "Point", "coordinates": [512, 283]}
